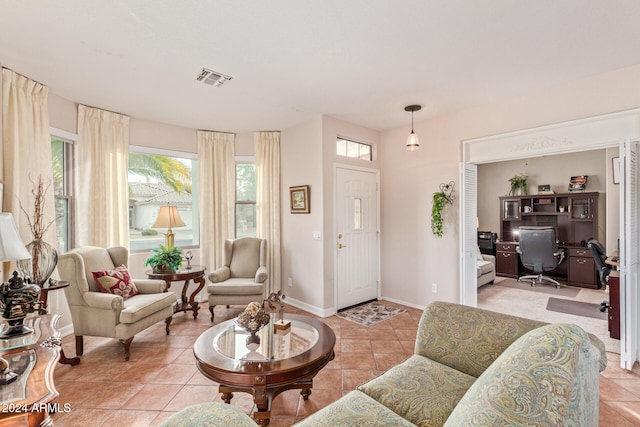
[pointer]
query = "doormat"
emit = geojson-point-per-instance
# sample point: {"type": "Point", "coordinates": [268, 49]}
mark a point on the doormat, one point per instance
{"type": "Point", "coordinates": [579, 308]}
{"type": "Point", "coordinates": [370, 313]}
{"type": "Point", "coordinates": [564, 291]}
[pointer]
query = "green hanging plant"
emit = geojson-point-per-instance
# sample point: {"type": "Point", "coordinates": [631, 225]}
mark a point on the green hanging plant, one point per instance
{"type": "Point", "coordinates": [440, 200]}
{"type": "Point", "coordinates": [437, 224]}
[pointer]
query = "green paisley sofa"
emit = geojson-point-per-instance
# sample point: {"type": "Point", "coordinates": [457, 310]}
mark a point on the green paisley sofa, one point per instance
{"type": "Point", "coordinates": [471, 367]}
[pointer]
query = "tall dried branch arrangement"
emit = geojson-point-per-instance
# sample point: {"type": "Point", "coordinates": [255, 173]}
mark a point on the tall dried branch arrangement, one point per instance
{"type": "Point", "coordinates": [39, 191]}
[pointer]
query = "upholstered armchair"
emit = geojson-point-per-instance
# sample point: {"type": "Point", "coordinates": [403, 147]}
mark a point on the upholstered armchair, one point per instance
{"type": "Point", "coordinates": [242, 278]}
{"type": "Point", "coordinates": [102, 301]}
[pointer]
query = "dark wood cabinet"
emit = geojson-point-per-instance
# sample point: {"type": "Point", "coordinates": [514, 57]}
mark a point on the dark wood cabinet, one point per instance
{"type": "Point", "coordinates": [575, 219]}
{"type": "Point", "coordinates": [506, 259]}
{"type": "Point", "coordinates": [582, 268]}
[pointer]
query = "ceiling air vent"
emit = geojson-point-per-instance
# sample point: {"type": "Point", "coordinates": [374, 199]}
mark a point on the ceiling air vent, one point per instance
{"type": "Point", "coordinates": [212, 78]}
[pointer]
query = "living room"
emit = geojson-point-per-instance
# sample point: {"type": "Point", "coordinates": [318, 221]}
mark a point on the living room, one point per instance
{"type": "Point", "coordinates": [411, 258]}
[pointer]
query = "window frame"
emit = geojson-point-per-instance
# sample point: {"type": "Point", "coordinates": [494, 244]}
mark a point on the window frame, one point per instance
{"type": "Point", "coordinates": [195, 205]}
{"type": "Point", "coordinates": [242, 160]}
{"type": "Point", "coordinates": [358, 144]}
{"type": "Point", "coordinates": [69, 139]}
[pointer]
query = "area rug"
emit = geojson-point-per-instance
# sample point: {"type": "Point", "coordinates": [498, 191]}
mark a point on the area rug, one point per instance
{"type": "Point", "coordinates": [564, 291]}
{"type": "Point", "coordinates": [578, 308]}
{"type": "Point", "coordinates": [370, 313]}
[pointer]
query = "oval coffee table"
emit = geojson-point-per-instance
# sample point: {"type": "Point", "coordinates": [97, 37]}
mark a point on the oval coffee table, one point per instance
{"type": "Point", "coordinates": [284, 360]}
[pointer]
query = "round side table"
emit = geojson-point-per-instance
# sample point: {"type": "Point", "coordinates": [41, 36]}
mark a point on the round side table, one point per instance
{"type": "Point", "coordinates": [44, 297]}
{"type": "Point", "coordinates": [195, 273]}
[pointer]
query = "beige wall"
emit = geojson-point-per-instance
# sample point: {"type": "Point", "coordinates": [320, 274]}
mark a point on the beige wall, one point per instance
{"type": "Point", "coordinates": [302, 257]}
{"type": "Point", "coordinates": [412, 257]}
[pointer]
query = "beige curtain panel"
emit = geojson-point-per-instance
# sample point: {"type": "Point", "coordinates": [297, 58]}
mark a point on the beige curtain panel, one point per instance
{"type": "Point", "coordinates": [26, 150]}
{"type": "Point", "coordinates": [267, 150]}
{"type": "Point", "coordinates": [216, 194]}
{"type": "Point", "coordinates": [102, 169]}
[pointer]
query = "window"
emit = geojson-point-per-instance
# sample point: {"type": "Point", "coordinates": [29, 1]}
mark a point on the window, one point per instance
{"type": "Point", "coordinates": [62, 157]}
{"type": "Point", "coordinates": [245, 199]}
{"type": "Point", "coordinates": [354, 150]}
{"type": "Point", "coordinates": [156, 178]}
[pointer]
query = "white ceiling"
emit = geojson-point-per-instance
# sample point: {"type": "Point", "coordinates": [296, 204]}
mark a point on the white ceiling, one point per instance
{"type": "Point", "coordinates": [361, 61]}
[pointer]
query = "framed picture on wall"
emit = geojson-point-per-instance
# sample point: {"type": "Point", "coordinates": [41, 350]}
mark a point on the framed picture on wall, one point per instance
{"type": "Point", "coordinates": [616, 170]}
{"type": "Point", "coordinates": [300, 199]}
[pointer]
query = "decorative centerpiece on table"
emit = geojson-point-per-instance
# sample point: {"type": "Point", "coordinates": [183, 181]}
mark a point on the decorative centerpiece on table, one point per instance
{"type": "Point", "coordinates": [252, 319]}
{"type": "Point", "coordinates": [276, 301]}
{"type": "Point", "coordinates": [165, 259]}
{"type": "Point", "coordinates": [44, 257]}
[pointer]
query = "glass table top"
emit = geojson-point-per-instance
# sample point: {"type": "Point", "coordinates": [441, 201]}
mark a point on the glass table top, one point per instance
{"type": "Point", "coordinates": [10, 343]}
{"type": "Point", "coordinates": [273, 344]}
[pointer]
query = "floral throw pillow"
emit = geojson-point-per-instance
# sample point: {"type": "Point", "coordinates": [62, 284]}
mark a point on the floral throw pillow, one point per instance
{"type": "Point", "coordinates": [116, 281]}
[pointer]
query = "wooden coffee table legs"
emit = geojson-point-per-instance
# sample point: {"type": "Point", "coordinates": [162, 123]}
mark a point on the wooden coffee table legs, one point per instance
{"type": "Point", "coordinates": [263, 397]}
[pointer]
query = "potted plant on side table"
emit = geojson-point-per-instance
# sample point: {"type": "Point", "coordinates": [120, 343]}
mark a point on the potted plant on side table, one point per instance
{"type": "Point", "coordinates": [165, 260]}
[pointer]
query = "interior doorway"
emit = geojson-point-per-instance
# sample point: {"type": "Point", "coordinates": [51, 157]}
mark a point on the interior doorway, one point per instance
{"type": "Point", "coordinates": [357, 236]}
{"type": "Point", "coordinates": [605, 131]}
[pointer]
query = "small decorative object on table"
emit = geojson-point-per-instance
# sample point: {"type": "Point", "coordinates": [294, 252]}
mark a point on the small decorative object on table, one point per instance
{"type": "Point", "coordinates": [44, 257]}
{"type": "Point", "coordinates": [18, 299]}
{"type": "Point", "coordinates": [252, 319]}
{"type": "Point", "coordinates": [188, 256]}
{"type": "Point", "coordinates": [275, 300]}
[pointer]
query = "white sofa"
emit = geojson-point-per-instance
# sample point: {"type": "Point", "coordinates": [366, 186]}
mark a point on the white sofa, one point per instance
{"type": "Point", "coordinates": [486, 268]}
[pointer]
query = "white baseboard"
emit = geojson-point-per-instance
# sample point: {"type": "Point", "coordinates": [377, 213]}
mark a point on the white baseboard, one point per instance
{"type": "Point", "coordinates": [408, 304]}
{"type": "Point", "coordinates": [320, 312]}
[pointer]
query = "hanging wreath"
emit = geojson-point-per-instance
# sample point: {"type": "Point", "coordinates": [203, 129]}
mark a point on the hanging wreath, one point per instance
{"type": "Point", "coordinates": [440, 200]}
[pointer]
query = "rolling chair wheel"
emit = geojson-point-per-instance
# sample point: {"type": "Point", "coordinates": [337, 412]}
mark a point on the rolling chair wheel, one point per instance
{"type": "Point", "coordinates": [604, 305]}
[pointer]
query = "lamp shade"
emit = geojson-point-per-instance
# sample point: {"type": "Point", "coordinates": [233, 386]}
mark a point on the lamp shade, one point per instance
{"type": "Point", "coordinates": [412, 142]}
{"type": "Point", "coordinates": [168, 217]}
{"type": "Point", "coordinates": [11, 246]}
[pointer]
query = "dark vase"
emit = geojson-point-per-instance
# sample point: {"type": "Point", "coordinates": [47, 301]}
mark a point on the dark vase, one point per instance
{"type": "Point", "coordinates": [44, 259]}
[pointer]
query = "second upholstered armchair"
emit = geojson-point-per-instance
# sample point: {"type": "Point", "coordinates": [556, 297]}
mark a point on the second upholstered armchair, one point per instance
{"type": "Point", "coordinates": [242, 277]}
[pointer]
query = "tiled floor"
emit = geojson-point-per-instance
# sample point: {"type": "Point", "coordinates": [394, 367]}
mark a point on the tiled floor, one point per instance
{"type": "Point", "coordinates": [161, 376]}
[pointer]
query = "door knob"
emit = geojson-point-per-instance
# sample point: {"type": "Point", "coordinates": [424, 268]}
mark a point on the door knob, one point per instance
{"type": "Point", "coordinates": [340, 246]}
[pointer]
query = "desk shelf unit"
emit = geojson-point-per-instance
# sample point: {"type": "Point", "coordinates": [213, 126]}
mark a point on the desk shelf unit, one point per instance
{"type": "Point", "coordinates": [575, 218]}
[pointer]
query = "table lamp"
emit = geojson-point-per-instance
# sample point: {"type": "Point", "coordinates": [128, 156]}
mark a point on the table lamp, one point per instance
{"type": "Point", "coordinates": [168, 217]}
{"type": "Point", "coordinates": [14, 295]}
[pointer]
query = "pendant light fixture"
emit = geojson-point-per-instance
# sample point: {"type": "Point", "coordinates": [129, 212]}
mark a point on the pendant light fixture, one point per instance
{"type": "Point", "coordinates": [412, 140]}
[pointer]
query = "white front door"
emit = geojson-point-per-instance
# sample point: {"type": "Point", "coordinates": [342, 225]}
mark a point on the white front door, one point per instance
{"type": "Point", "coordinates": [356, 239]}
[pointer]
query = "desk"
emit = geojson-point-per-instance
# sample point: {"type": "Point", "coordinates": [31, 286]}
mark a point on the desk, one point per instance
{"type": "Point", "coordinates": [613, 259]}
{"type": "Point", "coordinates": [577, 269]}
{"type": "Point", "coordinates": [195, 273]}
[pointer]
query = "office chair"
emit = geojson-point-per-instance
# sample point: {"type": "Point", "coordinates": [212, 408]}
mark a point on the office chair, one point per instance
{"type": "Point", "coordinates": [539, 252]}
{"type": "Point", "coordinates": [599, 255]}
